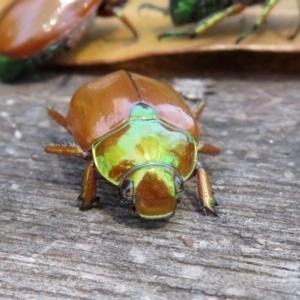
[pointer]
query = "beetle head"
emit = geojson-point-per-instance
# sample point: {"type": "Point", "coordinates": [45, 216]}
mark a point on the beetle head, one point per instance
{"type": "Point", "coordinates": [153, 189]}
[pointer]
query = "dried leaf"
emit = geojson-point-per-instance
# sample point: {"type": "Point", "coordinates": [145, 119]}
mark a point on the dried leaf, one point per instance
{"type": "Point", "coordinates": [108, 41]}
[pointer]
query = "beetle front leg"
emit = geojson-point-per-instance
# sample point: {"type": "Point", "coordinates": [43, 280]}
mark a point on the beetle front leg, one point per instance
{"type": "Point", "coordinates": [205, 190]}
{"type": "Point", "coordinates": [67, 150]}
{"type": "Point", "coordinates": [270, 4]}
{"type": "Point", "coordinates": [207, 23]}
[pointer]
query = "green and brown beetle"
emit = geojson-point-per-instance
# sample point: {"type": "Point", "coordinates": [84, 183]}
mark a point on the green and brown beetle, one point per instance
{"type": "Point", "coordinates": [141, 136]}
{"type": "Point", "coordinates": [208, 13]}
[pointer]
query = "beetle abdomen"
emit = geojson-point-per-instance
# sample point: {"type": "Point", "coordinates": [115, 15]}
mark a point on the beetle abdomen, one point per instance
{"type": "Point", "coordinates": [104, 104]}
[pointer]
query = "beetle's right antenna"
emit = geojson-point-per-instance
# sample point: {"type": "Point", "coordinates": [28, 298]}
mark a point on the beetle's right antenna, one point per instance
{"type": "Point", "coordinates": [165, 11]}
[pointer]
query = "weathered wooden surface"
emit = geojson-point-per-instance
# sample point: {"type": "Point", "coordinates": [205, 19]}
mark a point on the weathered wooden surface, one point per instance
{"type": "Point", "coordinates": [51, 250]}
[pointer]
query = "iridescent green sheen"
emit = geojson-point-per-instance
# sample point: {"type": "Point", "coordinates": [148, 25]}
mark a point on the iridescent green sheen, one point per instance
{"type": "Point", "coordinates": [11, 69]}
{"type": "Point", "coordinates": [143, 112]}
{"type": "Point", "coordinates": [144, 139]}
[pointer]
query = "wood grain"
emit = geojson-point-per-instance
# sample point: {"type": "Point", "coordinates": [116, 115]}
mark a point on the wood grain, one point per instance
{"type": "Point", "coordinates": [51, 250]}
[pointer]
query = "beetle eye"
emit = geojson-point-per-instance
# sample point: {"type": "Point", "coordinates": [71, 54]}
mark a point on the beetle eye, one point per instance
{"type": "Point", "coordinates": [126, 189]}
{"type": "Point", "coordinates": [178, 185]}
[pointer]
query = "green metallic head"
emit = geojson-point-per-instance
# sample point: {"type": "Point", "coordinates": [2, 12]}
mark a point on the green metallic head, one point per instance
{"type": "Point", "coordinates": [153, 189]}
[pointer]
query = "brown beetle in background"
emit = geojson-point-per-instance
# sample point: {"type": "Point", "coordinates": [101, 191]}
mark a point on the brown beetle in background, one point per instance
{"type": "Point", "coordinates": [32, 31]}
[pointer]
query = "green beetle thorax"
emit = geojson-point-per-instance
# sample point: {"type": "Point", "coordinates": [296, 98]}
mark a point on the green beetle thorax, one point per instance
{"type": "Point", "coordinates": [144, 139]}
{"type": "Point", "coordinates": [153, 189]}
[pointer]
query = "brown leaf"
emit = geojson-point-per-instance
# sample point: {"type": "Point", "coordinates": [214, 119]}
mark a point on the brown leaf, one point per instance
{"type": "Point", "coordinates": [108, 41]}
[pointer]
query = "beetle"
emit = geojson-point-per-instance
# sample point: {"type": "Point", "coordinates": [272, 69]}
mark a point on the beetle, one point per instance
{"type": "Point", "coordinates": [33, 30]}
{"type": "Point", "coordinates": [209, 12]}
{"type": "Point", "coordinates": [141, 136]}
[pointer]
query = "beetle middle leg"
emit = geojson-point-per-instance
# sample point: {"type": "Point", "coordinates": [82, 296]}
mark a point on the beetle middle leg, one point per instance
{"type": "Point", "coordinates": [207, 23]}
{"type": "Point", "coordinates": [270, 4]}
{"type": "Point", "coordinates": [88, 193]}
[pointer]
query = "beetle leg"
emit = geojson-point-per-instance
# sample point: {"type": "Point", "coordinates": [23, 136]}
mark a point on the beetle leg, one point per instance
{"type": "Point", "coordinates": [207, 22]}
{"type": "Point", "coordinates": [59, 118]}
{"type": "Point", "coordinates": [108, 11]}
{"type": "Point", "coordinates": [270, 4]}
{"type": "Point", "coordinates": [119, 14]}
{"type": "Point", "coordinates": [298, 27]}
{"type": "Point", "coordinates": [67, 150]}
{"type": "Point", "coordinates": [199, 109]}
{"type": "Point", "coordinates": [88, 193]}
{"type": "Point", "coordinates": [208, 149]}
{"type": "Point", "coordinates": [205, 190]}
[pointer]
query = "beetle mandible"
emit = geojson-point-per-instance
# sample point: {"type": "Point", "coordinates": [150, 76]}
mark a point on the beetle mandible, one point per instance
{"type": "Point", "coordinates": [141, 136]}
{"type": "Point", "coordinates": [32, 31]}
{"type": "Point", "coordinates": [209, 12]}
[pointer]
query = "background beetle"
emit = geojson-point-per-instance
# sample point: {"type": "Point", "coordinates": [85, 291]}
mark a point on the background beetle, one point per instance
{"type": "Point", "coordinates": [141, 136]}
{"type": "Point", "coordinates": [32, 30]}
{"type": "Point", "coordinates": [209, 12]}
